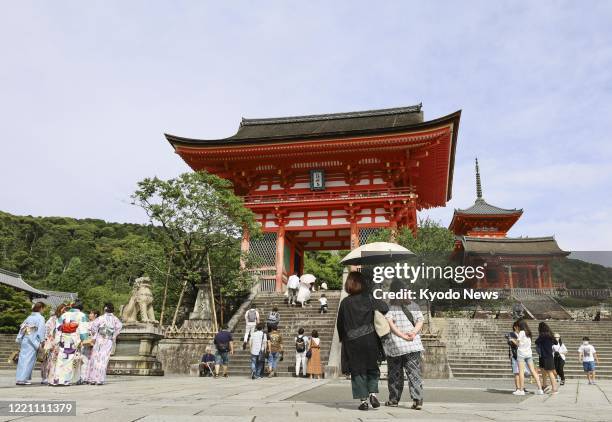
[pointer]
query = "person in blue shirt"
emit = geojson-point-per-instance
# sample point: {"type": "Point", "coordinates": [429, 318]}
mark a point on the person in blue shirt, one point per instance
{"type": "Point", "coordinates": [31, 335]}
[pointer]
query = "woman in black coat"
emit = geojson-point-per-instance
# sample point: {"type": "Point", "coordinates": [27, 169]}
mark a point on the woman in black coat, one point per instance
{"type": "Point", "coordinates": [361, 346]}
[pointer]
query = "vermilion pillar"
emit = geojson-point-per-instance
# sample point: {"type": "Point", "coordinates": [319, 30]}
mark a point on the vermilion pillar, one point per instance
{"type": "Point", "coordinates": [244, 246]}
{"type": "Point", "coordinates": [354, 235]}
{"type": "Point", "coordinates": [280, 258]}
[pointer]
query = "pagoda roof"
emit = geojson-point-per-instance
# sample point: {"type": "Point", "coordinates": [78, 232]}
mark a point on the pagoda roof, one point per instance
{"type": "Point", "coordinates": [316, 126]}
{"type": "Point", "coordinates": [15, 281]}
{"type": "Point", "coordinates": [482, 207]}
{"type": "Point", "coordinates": [511, 246]}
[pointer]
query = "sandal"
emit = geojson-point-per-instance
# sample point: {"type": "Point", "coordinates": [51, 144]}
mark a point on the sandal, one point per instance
{"type": "Point", "coordinates": [363, 405]}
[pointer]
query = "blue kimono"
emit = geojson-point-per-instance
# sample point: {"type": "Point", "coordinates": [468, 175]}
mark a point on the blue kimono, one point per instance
{"type": "Point", "coordinates": [31, 334]}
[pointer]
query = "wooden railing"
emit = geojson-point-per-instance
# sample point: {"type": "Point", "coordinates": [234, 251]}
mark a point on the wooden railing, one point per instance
{"type": "Point", "coordinates": [328, 195]}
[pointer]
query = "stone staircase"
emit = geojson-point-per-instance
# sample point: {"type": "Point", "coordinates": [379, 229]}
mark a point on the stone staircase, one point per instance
{"type": "Point", "coordinates": [544, 307]}
{"type": "Point", "coordinates": [7, 347]}
{"type": "Point", "coordinates": [292, 318]}
{"type": "Point", "coordinates": [478, 348]}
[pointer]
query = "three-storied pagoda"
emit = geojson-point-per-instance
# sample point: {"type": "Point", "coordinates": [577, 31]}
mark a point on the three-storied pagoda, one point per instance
{"type": "Point", "coordinates": [326, 181]}
{"type": "Point", "coordinates": [519, 262]}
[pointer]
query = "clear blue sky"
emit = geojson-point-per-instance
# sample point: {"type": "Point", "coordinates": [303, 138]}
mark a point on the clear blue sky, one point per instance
{"type": "Point", "coordinates": [88, 89]}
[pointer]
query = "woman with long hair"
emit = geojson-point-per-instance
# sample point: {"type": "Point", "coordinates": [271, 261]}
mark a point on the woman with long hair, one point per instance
{"type": "Point", "coordinates": [544, 344]}
{"type": "Point", "coordinates": [524, 356]}
{"type": "Point", "coordinates": [362, 347]}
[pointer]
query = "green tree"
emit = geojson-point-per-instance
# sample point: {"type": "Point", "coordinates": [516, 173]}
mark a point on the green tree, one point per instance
{"type": "Point", "coordinates": [14, 308]}
{"type": "Point", "coordinates": [326, 266]}
{"type": "Point", "coordinates": [197, 213]}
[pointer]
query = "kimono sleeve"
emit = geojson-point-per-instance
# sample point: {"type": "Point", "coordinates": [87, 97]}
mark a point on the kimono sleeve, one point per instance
{"type": "Point", "coordinates": [84, 327]}
{"type": "Point", "coordinates": [41, 328]}
{"type": "Point", "coordinates": [58, 331]}
{"type": "Point", "coordinates": [118, 327]}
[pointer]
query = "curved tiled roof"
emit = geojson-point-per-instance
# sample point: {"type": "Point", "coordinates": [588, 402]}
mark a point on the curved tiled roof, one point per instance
{"type": "Point", "coordinates": [482, 207]}
{"type": "Point", "coordinates": [512, 245]}
{"type": "Point", "coordinates": [15, 281]}
{"type": "Point", "coordinates": [315, 125]}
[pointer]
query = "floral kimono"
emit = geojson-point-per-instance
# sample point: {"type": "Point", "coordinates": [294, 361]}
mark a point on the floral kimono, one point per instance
{"type": "Point", "coordinates": [104, 330]}
{"type": "Point", "coordinates": [70, 332]}
{"type": "Point", "coordinates": [47, 370]}
{"type": "Point", "coordinates": [31, 334]}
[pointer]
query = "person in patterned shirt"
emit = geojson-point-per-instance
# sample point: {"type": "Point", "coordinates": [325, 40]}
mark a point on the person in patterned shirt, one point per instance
{"type": "Point", "coordinates": [403, 350]}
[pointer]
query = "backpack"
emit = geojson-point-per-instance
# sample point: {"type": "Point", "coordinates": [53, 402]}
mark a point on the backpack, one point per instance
{"type": "Point", "coordinates": [300, 344]}
{"type": "Point", "coordinates": [274, 317]}
{"type": "Point", "coordinates": [252, 315]}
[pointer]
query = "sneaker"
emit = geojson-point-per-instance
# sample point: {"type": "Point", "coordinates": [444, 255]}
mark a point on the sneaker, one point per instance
{"type": "Point", "coordinates": [27, 382]}
{"type": "Point", "coordinates": [518, 393]}
{"type": "Point", "coordinates": [374, 401]}
{"type": "Point", "coordinates": [539, 392]}
{"type": "Point", "coordinates": [391, 403]}
{"type": "Point", "coordinates": [417, 405]}
{"type": "Point", "coordinates": [363, 405]}
{"type": "Point", "coordinates": [20, 383]}
{"type": "Point", "coordinates": [562, 382]}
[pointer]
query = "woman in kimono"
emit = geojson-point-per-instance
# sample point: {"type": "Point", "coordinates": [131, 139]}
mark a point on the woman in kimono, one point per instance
{"type": "Point", "coordinates": [31, 334]}
{"type": "Point", "coordinates": [104, 330]}
{"type": "Point", "coordinates": [47, 369]}
{"type": "Point", "coordinates": [71, 331]}
{"type": "Point", "coordinates": [86, 347]}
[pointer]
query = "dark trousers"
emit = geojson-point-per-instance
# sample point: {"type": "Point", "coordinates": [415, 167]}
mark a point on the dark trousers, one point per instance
{"type": "Point", "coordinates": [364, 384]}
{"type": "Point", "coordinates": [559, 364]}
{"type": "Point", "coordinates": [411, 364]}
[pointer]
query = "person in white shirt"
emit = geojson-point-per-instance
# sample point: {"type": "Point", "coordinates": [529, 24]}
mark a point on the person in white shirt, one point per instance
{"type": "Point", "coordinates": [524, 356]}
{"type": "Point", "coordinates": [293, 283]}
{"type": "Point", "coordinates": [559, 351]}
{"type": "Point", "coordinates": [588, 356]}
{"type": "Point", "coordinates": [251, 319]}
{"type": "Point", "coordinates": [301, 346]}
{"type": "Point", "coordinates": [259, 345]}
{"type": "Point", "coordinates": [323, 303]}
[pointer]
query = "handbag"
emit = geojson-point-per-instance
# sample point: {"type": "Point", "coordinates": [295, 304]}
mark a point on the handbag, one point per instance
{"type": "Point", "coordinates": [262, 353]}
{"type": "Point", "coordinates": [308, 354]}
{"type": "Point", "coordinates": [381, 325]}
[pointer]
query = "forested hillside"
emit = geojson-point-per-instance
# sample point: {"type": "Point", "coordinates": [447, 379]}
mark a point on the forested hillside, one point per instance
{"type": "Point", "coordinates": [100, 260]}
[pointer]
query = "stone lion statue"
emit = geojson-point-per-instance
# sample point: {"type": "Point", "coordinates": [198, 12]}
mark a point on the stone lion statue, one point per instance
{"type": "Point", "coordinates": [141, 302]}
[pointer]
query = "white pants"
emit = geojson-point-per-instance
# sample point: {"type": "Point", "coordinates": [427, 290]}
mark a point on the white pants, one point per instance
{"type": "Point", "coordinates": [300, 359]}
{"type": "Point", "coordinates": [249, 330]}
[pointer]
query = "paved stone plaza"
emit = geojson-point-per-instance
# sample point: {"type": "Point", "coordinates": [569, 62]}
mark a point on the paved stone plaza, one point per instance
{"type": "Point", "coordinates": [179, 398]}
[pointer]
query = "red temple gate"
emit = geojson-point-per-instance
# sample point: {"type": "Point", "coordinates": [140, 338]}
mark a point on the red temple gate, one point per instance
{"type": "Point", "coordinates": [325, 182]}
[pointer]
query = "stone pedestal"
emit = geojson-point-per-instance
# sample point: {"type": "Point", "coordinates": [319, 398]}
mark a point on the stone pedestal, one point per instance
{"type": "Point", "coordinates": [135, 353]}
